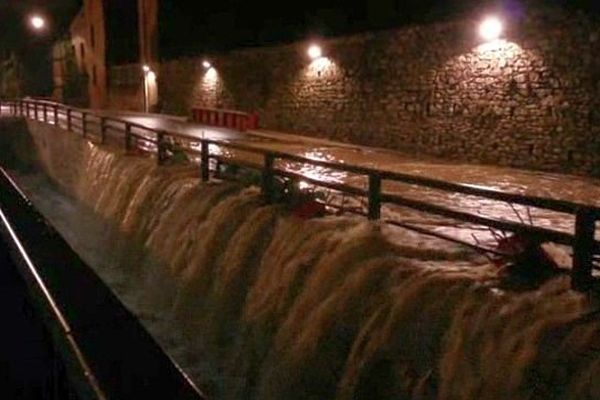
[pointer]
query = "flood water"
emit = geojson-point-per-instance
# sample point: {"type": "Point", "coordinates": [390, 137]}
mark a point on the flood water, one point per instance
{"type": "Point", "coordinates": [256, 303]}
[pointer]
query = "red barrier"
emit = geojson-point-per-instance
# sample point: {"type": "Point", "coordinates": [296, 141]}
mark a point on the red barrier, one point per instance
{"type": "Point", "coordinates": [231, 119]}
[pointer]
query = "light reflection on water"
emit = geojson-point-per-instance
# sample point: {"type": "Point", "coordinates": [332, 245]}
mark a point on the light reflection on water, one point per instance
{"type": "Point", "coordinates": [314, 171]}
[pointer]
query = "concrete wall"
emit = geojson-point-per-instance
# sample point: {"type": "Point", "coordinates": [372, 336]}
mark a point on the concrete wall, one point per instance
{"type": "Point", "coordinates": [532, 100]}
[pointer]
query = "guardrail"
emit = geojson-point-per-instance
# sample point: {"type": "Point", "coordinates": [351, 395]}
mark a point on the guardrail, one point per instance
{"type": "Point", "coordinates": [106, 352]}
{"type": "Point", "coordinates": [582, 240]}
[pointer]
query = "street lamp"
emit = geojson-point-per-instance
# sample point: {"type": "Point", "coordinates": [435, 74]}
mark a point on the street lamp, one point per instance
{"type": "Point", "coordinates": [491, 28]}
{"type": "Point", "coordinates": [206, 64]}
{"type": "Point", "coordinates": [315, 51]}
{"type": "Point", "coordinates": [147, 71]}
{"type": "Point", "coordinates": [37, 22]}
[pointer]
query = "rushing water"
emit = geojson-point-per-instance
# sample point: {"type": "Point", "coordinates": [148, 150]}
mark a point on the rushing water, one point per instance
{"type": "Point", "coordinates": [255, 303]}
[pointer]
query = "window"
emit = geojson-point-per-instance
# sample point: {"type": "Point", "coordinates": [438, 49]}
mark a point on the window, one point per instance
{"type": "Point", "coordinates": [94, 76]}
{"type": "Point", "coordinates": [92, 36]}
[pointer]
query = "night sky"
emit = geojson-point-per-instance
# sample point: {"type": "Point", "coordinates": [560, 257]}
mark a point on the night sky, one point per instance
{"type": "Point", "coordinates": [33, 49]}
{"type": "Point", "coordinates": [192, 27]}
{"type": "Point", "coordinates": [196, 27]}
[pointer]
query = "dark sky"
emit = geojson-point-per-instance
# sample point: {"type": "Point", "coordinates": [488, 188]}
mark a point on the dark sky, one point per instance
{"type": "Point", "coordinates": [14, 32]}
{"type": "Point", "coordinates": [192, 27]}
{"type": "Point", "coordinates": [32, 48]}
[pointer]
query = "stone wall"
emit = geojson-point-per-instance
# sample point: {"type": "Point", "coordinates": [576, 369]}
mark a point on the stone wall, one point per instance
{"type": "Point", "coordinates": [531, 100]}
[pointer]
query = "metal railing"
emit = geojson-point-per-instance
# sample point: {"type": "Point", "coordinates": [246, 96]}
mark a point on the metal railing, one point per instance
{"type": "Point", "coordinates": [582, 240]}
{"type": "Point", "coordinates": [105, 350]}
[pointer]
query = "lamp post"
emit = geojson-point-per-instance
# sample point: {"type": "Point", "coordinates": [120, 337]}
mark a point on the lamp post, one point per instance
{"type": "Point", "coordinates": [146, 70]}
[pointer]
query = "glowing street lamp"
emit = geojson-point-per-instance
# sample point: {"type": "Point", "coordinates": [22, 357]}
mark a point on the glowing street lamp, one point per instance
{"type": "Point", "coordinates": [491, 28]}
{"type": "Point", "coordinates": [147, 75]}
{"type": "Point", "coordinates": [206, 64]}
{"type": "Point", "coordinates": [315, 51]}
{"type": "Point", "coordinates": [38, 23]}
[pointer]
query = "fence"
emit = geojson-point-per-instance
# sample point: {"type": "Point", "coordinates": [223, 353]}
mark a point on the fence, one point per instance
{"type": "Point", "coordinates": [582, 240]}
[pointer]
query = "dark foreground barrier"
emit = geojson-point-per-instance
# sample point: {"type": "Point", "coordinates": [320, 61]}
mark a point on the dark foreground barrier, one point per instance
{"type": "Point", "coordinates": [106, 352]}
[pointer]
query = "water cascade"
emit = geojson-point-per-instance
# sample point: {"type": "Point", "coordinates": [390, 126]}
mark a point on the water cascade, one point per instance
{"type": "Point", "coordinates": [270, 306]}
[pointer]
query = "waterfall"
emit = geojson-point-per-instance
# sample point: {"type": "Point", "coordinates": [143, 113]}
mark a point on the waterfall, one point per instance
{"type": "Point", "coordinates": [277, 307]}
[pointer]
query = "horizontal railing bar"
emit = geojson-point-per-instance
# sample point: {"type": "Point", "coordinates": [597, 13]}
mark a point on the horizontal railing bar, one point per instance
{"type": "Point", "coordinates": [542, 233]}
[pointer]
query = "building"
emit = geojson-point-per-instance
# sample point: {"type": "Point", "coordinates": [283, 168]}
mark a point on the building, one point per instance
{"type": "Point", "coordinates": [88, 41]}
{"type": "Point", "coordinates": [102, 35]}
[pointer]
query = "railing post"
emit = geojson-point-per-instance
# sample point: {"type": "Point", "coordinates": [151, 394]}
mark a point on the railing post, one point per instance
{"type": "Point", "coordinates": [160, 146]}
{"type": "Point", "coordinates": [205, 161]}
{"type": "Point", "coordinates": [102, 130]}
{"type": "Point", "coordinates": [583, 249]}
{"type": "Point", "coordinates": [84, 123]}
{"type": "Point", "coordinates": [69, 121]}
{"type": "Point", "coordinates": [45, 111]}
{"type": "Point", "coordinates": [128, 145]}
{"type": "Point", "coordinates": [55, 107]}
{"type": "Point", "coordinates": [268, 178]}
{"type": "Point", "coordinates": [374, 197]}
{"type": "Point", "coordinates": [35, 111]}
